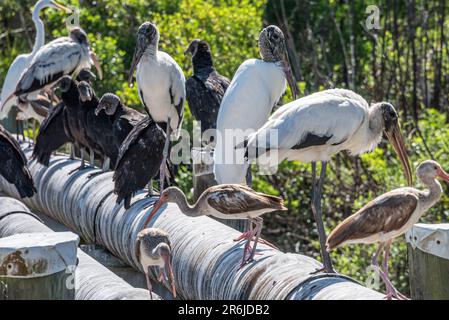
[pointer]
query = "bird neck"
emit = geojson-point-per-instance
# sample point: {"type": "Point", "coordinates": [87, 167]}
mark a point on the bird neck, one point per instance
{"type": "Point", "coordinates": [181, 200]}
{"type": "Point", "coordinates": [40, 28]}
{"type": "Point", "coordinates": [202, 62]}
{"type": "Point", "coordinates": [152, 50]}
{"type": "Point", "coordinates": [433, 194]}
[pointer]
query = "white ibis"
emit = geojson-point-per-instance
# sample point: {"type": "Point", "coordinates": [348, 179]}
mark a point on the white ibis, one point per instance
{"type": "Point", "coordinates": [227, 201]}
{"type": "Point", "coordinates": [160, 83]}
{"type": "Point", "coordinates": [206, 88]}
{"type": "Point", "coordinates": [389, 216]}
{"type": "Point", "coordinates": [315, 127]}
{"type": "Point", "coordinates": [62, 56]}
{"type": "Point", "coordinates": [256, 88]}
{"type": "Point", "coordinates": [13, 165]}
{"type": "Point", "coordinates": [153, 249]}
{"type": "Point", "coordinates": [23, 61]}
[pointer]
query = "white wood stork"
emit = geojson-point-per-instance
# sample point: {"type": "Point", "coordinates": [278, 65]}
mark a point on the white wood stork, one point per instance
{"type": "Point", "coordinates": [62, 56]}
{"type": "Point", "coordinates": [256, 88]}
{"type": "Point", "coordinates": [315, 127]}
{"type": "Point", "coordinates": [389, 216]}
{"type": "Point", "coordinates": [23, 61]}
{"type": "Point", "coordinates": [160, 83]}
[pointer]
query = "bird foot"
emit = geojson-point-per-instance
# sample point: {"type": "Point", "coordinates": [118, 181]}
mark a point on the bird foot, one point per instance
{"type": "Point", "coordinates": [93, 175]}
{"type": "Point", "coordinates": [78, 169]}
{"type": "Point", "coordinates": [246, 234]}
{"type": "Point", "coordinates": [396, 295]}
{"type": "Point", "coordinates": [323, 270]}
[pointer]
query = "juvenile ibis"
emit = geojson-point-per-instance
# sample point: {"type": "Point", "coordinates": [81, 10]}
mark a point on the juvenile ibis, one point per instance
{"type": "Point", "coordinates": [206, 88]}
{"type": "Point", "coordinates": [140, 158]}
{"type": "Point", "coordinates": [160, 84]}
{"type": "Point", "coordinates": [13, 165]}
{"type": "Point", "coordinates": [226, 201]}
{"type": "Point", "coordinates": [23, 61]}
{"type": "Point", "coordinates": [256, 88]}
{"type": "Point", "coordinates": [315, 127]}
{"type": "Point", "coordinates": [153, 249]}
{"type": "Point", "coordinates": [389, 216]}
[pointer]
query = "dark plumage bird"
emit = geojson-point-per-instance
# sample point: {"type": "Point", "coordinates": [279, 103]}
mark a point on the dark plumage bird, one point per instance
{"type": "Point", "coordinates": [206, 88]}
{"type": "Point", "coordinates": [13, 165]}
{"type": "Point", "coordinates": [139, 160]}
{"type": "Point", "coordinates": [118, 120]}
{"type": "Point", "coordinates": [53, 133]}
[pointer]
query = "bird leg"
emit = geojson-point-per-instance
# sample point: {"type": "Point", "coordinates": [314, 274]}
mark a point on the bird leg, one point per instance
{"type": "Point", "coordinates": [92, 158]}
{"type": "Point", "coordinates": [317, 188]}
{"type": "Point", "coordinates": [82, 165]}
{"type": "Point", "coordinates": [105, 168]}
{"type": "Point", "coordinates": [72, 151]}
{"type": "Point", "coordinates": [249, 178]}
{"type": "Point", "coordinates": [150, 189]}
{"type": "Point", "coordinates": [251, 233]}
{"type": "Point", "coordinates": [391, 290]}
{"type": "Point", "coordinates": [258, 221]}
{"type": "Point", "coordinates": [162, 172]}
{"type": "Point", "coordinates": [149, 286]}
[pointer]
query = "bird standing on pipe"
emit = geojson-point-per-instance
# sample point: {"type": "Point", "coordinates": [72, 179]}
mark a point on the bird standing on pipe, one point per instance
{"type": "Point", "coordinates": [227, 201]}
{"type": "Point", "coordinates": [389, 216]}
{"type": "Point", "coordinates": [13, 165]}
{"type": "Point", "coordinates": [256, 88]}
{"type": "Point", "coordinates": [153, 249]}
{"type": "Point", "coordinates": [320, 125]}
{"type": "Point", "coordinates": [160, 84]}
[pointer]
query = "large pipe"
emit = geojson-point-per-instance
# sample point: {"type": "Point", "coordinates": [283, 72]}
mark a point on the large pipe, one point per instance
{"type": "Point", "coordinates": [206, 260]}
{"type": "Point", "coordinates": [93, 281]}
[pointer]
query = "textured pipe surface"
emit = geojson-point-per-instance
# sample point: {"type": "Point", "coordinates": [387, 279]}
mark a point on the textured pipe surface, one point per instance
{"type": "Point", "coordinates": [93, 280]}
{"type": "Point", "coordinates": [206, 260]}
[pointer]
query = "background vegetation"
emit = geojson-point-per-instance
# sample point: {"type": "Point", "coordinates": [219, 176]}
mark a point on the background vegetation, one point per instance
{"type": "Point", "coordinates": [404, 62]}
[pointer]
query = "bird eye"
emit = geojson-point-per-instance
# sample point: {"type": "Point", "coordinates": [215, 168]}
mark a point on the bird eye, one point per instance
{"type": "Point", "coordinates": [435, 167]}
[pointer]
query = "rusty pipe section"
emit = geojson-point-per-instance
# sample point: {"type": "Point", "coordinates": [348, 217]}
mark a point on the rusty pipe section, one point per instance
{"type": "Point", "coordinates": [206, 259]}
{"type": "Point", "coordinates": [93, 281]}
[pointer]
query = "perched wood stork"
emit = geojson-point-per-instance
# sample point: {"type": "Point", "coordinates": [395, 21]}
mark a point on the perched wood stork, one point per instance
{"type": "Point", "coordinates": [139, 160]}
{"type": "Point", "coordinates": [62, 56]}
{"type": "Point", "coordinates": [256, 88]}
{"type": "Point", "coordinates": [160, 83]}
{"type": "Point", "coordinates": [227, 201]}
{"type": "Point", "coordinates": [22, 62]}
{"type": "Point", "coordinates": [153, 249]}
{"type": "Point", "coordinates": [54, 131]}
{"type": "Point", "coordinates": [315, 127]}
{"type": "Point", "coordinates": [206, 88]}
{"type": "Point", "coordinates": [389, 216]}
{"type": "Point", "coordinates": [13, 165]}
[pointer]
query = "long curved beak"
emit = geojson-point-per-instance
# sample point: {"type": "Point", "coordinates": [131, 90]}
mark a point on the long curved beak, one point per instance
{"type": "Point", "coordinates": [396, 139]}
{"type": "Point", "coordinates": [168, 270]}
{"type": "Point", "coordinates": [443, 175]}
{"type": "Point", "coordinates": [12, 95]}
{"type": "Point", "coordinates": [156, 207]}
{"type": "Point", "coordinates": [138, 53]}
{"type": "Point", "coordinates": [61, 7]}
{"type": "Point", "coordinates": [286, 66]}
{"type": "Point", "coordinates": [94, 58]}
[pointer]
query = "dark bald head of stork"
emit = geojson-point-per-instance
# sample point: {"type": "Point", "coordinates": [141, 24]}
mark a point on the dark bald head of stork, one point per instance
{"type": "Point", "coordinates": [392, 130]}
{"type": "Point", "coordinates": [273, 48]}
{"type": "Point", "coordinates": [147, 41]}
{"type": "Point", "coordinates": [109, 102]}
{"type": "Point", "coordinates": [428, 170]}
{"type": "Point", "coordinates": [86, 91]}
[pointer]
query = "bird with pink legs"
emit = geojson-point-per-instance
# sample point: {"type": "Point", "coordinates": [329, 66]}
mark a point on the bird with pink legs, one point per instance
{"type": "Point", "coordinates": [389, 216]}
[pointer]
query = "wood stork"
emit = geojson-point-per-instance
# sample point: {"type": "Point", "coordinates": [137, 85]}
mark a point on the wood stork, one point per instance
{"type": "Point", "coordinates": [62, 56]}
{"type": "Point", "coordinates": [315, 127]}
{"type": "Point", "coordinates": [13, 165]}
{"type": "Point", "coordinates": [226, 201]}
{"type": "Point", "coordinates": [206, 88]}
{"type": "Point", "coordinates": [256, 88]}
{"type": "Point", "coordinates": [153, 249]}
{"type": "Point", "coordinates": [22, 62]}
{"type": "Point", "coordinates": [139, 160]}
{"type": "Point", "coordinates": [54, 131]}
{"type": "Point", "coordinates": [160, 83]}
{"type": "Point", "coordinates": [389, 216]}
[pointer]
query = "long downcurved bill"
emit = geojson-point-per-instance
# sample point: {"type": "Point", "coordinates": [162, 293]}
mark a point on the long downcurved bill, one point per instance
{"type": "Point", "coordinates": [12, 95]}
{"type": "Point", "coordinates": [396, 139]}
{"type": "Point", "coordinates": [168, 270]}
{"type": "Point", "coordinates": [61, 7]}
{"type": "Point", "coordinates": [94, 58]}
{"type": "Point", "coordinates": [156, 207]}
{"type": "Point", "coordinates": [443, 175]}
{"type": "Point", "coordinates": [286, 66]}
{"type": "Point", "coordinates": [138, 53]}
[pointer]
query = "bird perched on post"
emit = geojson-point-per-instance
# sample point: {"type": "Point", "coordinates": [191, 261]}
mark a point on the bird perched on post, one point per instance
{"type": "Point", "coordinates": [13, 165]}
{"type": "Point", "coordinates": [62, 56]}
{"type": "Point", "coordinates": [256, 88]}
{"type": "Point", "coordinates": [160, 84]}
{"type": "Point", "coordinates": [389, 216]}
{"type": "Point", "coordinates": [227, 201]}
{"type": "Point", "coordinates": [320, 125]}
{"type": "Point", "coordinates": [153, 249]}
{"type": "Point", "coordinates": [206, 88]}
